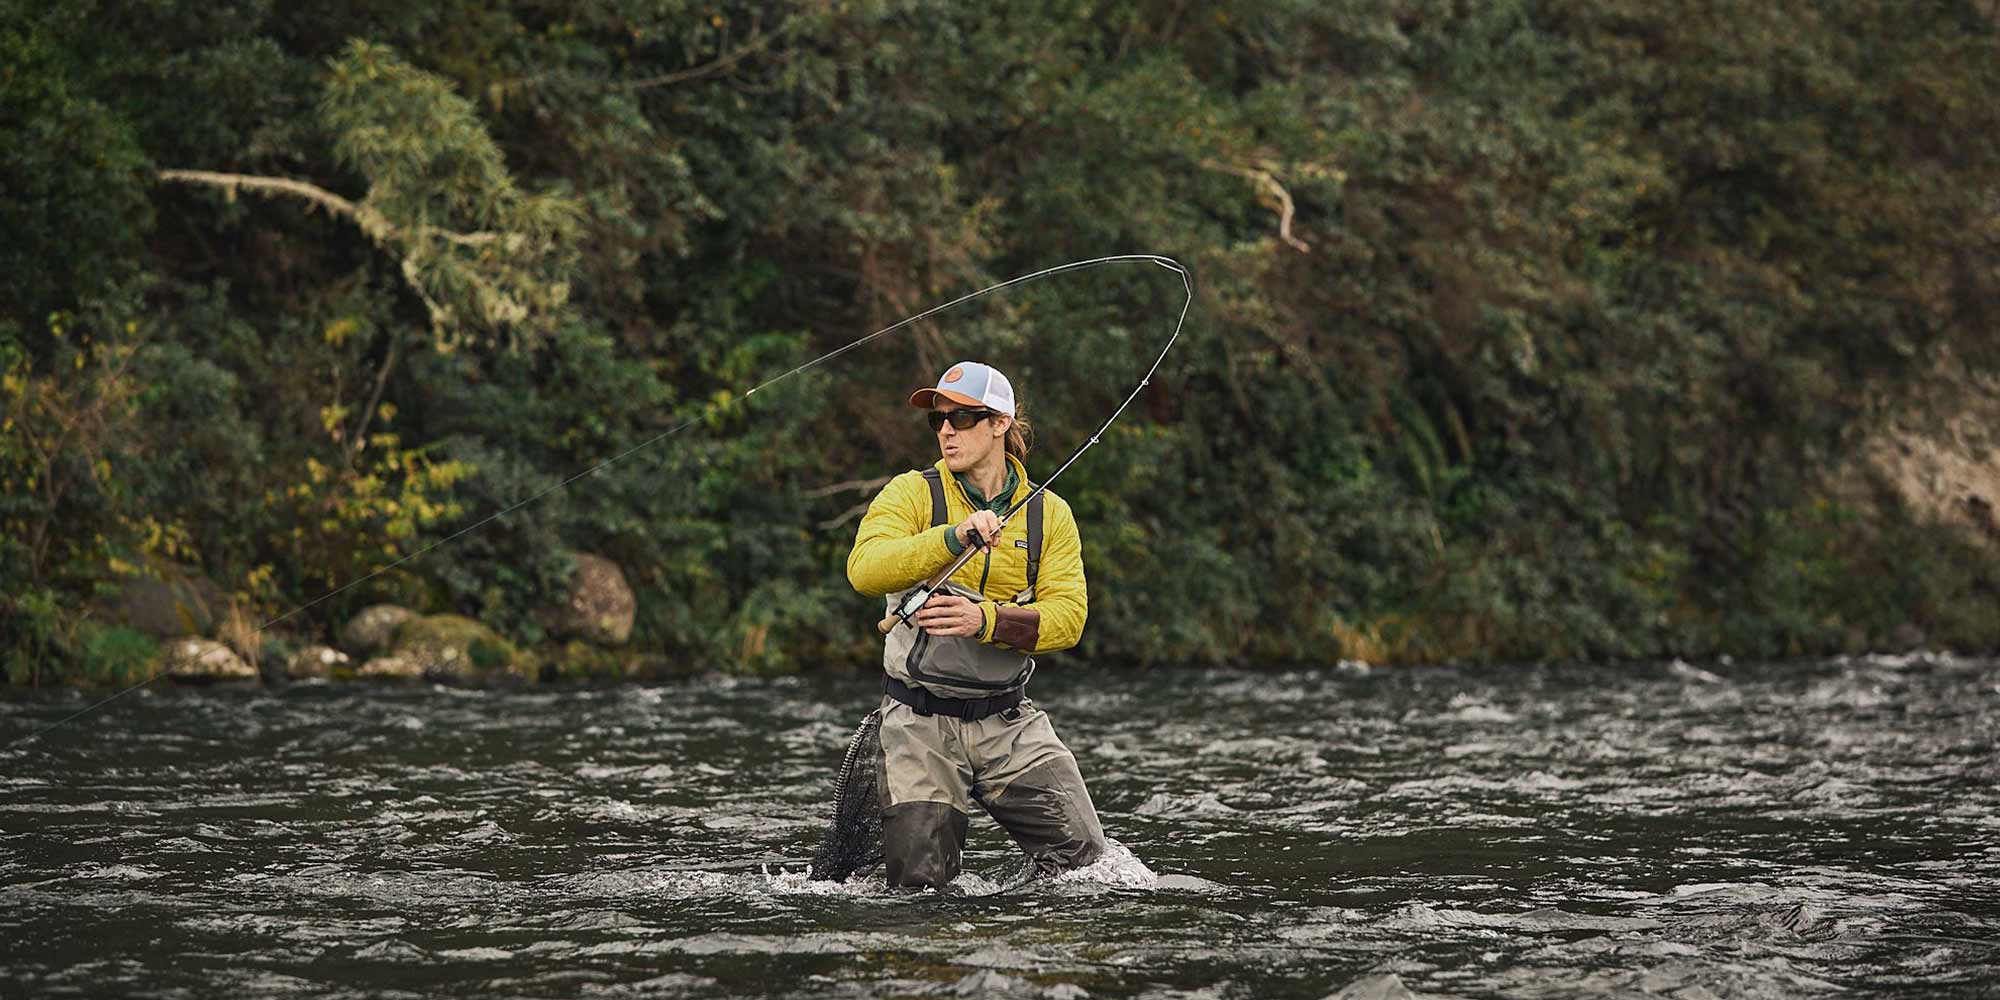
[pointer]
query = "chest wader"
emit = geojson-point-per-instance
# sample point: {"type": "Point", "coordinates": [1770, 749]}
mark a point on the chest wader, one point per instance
{"type": "Point", "coordinates": [956, 727]}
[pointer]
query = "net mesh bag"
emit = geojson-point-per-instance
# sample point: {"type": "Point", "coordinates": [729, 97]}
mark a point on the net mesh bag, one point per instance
{"type": "Point", "coordinates": [853, 841]}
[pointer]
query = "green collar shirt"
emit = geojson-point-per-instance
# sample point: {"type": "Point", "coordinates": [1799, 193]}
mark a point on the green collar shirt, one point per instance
{"type": "Point", "coordinates": [998, 505]}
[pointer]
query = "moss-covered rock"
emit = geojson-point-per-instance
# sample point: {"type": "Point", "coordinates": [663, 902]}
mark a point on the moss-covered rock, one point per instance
{"type": "Point", "coordinates": [315, 662]}
{"type": "Point", "coordinates": [373, 627]}
{"type": "Point", "coordinates": [456, 649]}
{"type": "Point", "coordinates": [387, 668]}
{"type": "Point", "coordinates": [193, 660]}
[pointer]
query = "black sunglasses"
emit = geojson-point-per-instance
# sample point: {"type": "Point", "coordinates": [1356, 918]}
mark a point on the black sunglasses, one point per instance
{"type": "Point", "coordinates": [964, 420]}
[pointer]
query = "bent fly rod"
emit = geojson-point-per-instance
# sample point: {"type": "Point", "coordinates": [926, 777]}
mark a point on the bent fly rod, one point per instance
{"type": "Point", "coordinates": [914, 601]}
{"type": "Point", "coordinates": [1169, 263]}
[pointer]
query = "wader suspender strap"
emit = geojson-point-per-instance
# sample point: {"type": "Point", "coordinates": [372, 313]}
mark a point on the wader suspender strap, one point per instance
{"type": "Point", "coordinates": [1034, 538]}
{"type": "Point", "coordinates": [936, 481]}
{"type": "Point", "coordinates": [939, 516]}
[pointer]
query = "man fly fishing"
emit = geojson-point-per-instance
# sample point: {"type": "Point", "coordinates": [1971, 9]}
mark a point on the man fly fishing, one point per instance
{"type": "Point", "coordinates": [956, 726]}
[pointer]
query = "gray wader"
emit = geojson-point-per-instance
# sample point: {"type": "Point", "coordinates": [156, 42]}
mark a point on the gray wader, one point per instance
{"type": "Point", "coordinates": [958, 729]}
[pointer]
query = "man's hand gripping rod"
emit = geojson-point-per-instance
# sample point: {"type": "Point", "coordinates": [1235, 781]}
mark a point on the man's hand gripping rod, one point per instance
{"type": "Point", "coordinates": [922, 593]}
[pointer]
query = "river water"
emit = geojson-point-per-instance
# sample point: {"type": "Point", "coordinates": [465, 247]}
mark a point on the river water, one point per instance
{"type": "Point", "coordinates": [1782, 830]}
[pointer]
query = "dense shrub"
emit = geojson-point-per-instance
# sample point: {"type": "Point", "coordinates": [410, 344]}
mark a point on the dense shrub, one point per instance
{"type": "Point", "coordinates": [1525, 329]}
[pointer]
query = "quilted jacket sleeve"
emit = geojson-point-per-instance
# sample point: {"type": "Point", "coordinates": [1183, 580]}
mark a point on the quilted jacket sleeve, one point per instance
{"type": "Point", "coordinates": [895, 547]}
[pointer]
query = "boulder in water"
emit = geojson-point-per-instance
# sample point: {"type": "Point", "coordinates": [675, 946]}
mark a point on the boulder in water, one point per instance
{"type": "Point", "coordinates": [456, 649]}
{"type": "Point", "coordinates": [600, 606]}
{"type": "Point", "coordinates": [371, 630]}
{"type": "Point", "coordinates": [390, 668]}
{"type": "Point", "coordinates": [315, 661]}
{"type": "Point", "coordinates": [193, 660]}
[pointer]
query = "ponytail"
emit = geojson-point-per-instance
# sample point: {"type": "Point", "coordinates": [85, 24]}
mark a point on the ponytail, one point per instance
{"type": "Point", "coordinates": [1020, 436]}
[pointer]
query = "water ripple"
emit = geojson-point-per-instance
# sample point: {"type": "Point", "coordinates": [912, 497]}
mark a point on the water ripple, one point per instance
{"type": "Point", "coordinates": [1759, 831]}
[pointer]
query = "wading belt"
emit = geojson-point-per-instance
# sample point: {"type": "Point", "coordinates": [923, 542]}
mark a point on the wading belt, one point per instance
{"type": "Point", "coordinates": [969, 709]}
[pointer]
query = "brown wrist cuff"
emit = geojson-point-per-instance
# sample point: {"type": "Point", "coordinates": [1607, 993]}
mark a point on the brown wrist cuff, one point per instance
{"type": "Point", "coordinates": [1017, 627]}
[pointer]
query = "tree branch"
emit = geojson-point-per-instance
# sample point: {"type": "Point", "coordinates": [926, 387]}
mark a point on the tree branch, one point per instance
{"type": "Point", "coordinates": [1271, 186]}
{"type": "Point", "coordinates": [852, 485]}
{"type": "Point", "coordinates": [756, 44]}
{"type": "Point", "coordinates": [848, 515]}
{"type": "Point", "coordinates": [367, 217]}
{"type": "Point", "coordinates": [354, 442]}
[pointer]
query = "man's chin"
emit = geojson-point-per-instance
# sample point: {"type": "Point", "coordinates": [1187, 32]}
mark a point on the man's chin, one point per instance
{"type": "Point", "coordinates": [960, 462]}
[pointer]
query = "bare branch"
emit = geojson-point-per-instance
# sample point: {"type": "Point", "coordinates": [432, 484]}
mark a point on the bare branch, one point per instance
{"type": "Point", "coordinates": [848, 515]}
{"type": "Point", "coordinates": [1272, 187]}
{"type": "Point", "coordinates": [355, 441]}
{"type": "Point", "coordinates": [852, 485]}
{"type": "Point", "coordinates": [371, 221]}
{"type": "Point", "coordinates": [756, 44]}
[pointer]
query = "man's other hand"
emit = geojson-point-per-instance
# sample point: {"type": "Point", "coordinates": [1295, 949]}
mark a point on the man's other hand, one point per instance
{"type": "Point", "coordinates": [949, 614]}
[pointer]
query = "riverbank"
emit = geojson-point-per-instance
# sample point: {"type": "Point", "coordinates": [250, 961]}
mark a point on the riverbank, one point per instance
{"type": "Point", "coordinates": [1534, 333]}
{"type": "Point", "coordinates": [384, 643]}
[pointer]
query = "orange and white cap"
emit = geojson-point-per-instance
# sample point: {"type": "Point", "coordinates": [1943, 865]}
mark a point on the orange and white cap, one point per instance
{"type": "Point", "coordinates": [969, 383]}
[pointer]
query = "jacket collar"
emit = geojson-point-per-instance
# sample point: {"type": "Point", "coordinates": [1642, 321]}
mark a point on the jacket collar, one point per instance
{"type": "Point", "coordinates": [1021, 484]}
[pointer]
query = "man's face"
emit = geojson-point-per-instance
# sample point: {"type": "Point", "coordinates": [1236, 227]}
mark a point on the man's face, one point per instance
{"type": "Point", "coordinates": [964, 450]}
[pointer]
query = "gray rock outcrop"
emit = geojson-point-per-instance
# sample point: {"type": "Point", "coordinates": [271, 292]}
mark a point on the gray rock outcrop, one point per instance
{"type": "Point", "coordinates": [372, 629]}
{"type": "Point", "coordinates": [202, 661]}
{"type": "Point", "coordinates": [314, 662]}
{"type": "Point", "coordinates": [1936, 455]}
{"type": "Point", "coordinates": [599, 607]}
{"type": "Point", "coordinates": [390, 668]}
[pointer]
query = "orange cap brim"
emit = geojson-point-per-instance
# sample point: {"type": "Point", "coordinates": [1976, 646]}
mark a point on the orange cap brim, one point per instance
{"type": "Point", "coordinates": [924, 399]}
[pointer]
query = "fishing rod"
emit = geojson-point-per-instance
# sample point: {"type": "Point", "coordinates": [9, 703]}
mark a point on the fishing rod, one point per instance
{"type": "Point", "coordinates": [1129, 258]}
{"type": "Point", "coordinates": [914, 600]}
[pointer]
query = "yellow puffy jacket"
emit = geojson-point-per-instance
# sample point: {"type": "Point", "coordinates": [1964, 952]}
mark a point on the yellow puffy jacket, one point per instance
{"type": "Point", "coordinates": [896, 548]}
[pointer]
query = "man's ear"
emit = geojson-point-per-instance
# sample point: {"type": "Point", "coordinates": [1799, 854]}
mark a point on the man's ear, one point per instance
{"type": "Point", "coordinates": [1001, 424]}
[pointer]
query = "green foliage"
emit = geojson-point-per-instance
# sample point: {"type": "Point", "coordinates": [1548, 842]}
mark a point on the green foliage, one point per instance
{"type": "Point", "coordinates": [49, 645]}
{"type": "Point", "coordinates": [72, 178]}
{"type": "Point", "coordinates": [1526, 329]}
{"type": "Point", "coordinates": [35, 619]}
{"type": "Point", "coordinates": [70, 428]}
{"type": "Point", "coordinates": [483, 254]}
{"type": "Point", "coordinates": [113, 656]}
